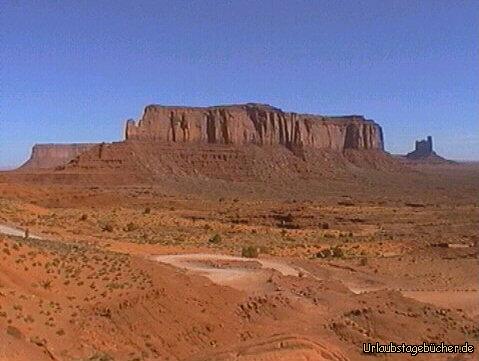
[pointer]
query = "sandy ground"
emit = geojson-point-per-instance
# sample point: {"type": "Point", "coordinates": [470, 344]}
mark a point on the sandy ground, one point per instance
{"type": "Point", "coordinates": [11, 231]}
{"type": "Point", "coordinates": [238, 276]}
{"type": "Point", "coordinates": [153, 271]}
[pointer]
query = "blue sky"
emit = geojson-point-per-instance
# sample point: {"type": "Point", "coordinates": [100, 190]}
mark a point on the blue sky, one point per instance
{"type": "Point", "coordinates": [73, 71]}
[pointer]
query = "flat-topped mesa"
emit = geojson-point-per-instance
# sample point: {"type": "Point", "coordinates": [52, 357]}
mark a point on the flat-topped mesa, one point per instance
{"type": "Point", "coordinates": [253, 124]}
{"type": "Point", "coordinates": [52, 155]}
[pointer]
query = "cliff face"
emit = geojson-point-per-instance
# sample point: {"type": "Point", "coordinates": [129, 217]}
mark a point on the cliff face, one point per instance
{"type": "Point", "coordinates": [254, 124]}
{"type": "Point", "coordinates": [53, 155]}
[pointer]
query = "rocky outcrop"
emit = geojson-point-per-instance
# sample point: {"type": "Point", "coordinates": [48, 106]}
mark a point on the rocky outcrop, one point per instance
{"type": "Point", "coordinates": [254, 124]}
{"type": "Point", "coordinates": [53, 155]}
{"type": "Point", "coordinates": [424, 151]}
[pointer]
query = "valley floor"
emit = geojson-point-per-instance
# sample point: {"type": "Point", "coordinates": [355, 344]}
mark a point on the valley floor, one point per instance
{"type": "Point", "coordinates": [218, 270]}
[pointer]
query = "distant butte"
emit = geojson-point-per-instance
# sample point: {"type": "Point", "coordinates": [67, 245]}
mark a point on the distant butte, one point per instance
{"type": "Point", "coordinates": [423, 151]}
{"type": "Point", "coordinates": [46, 156]}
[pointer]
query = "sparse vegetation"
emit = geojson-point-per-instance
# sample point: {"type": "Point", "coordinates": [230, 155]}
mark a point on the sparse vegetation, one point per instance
{"type": "Point", "coordinates": [215, 239]}
{"type": "Point", "coordinates": [335, 252]}
{"type": "Point", "coordinates": [130, 227]}
{"type": "Point", "coordinates": [250, 252]}
{"type": "Point", "coordinates": [108, 227]}
{"type": "Point", "coordinates": [100, 357]}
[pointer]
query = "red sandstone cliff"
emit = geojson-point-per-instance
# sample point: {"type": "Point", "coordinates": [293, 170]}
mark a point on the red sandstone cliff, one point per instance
{"type": "Point", "coordinates": [199, 139]}
{"type": "Point", "coordinates": [254, 124]}
{"type": "Point", "coordinates": [53, 155]}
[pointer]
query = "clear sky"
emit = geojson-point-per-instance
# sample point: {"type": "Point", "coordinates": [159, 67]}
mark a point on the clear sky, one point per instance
{"type": "Point", "coordinates": [73, 71]}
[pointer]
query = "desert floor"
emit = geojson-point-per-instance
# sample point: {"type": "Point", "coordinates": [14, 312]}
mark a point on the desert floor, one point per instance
{"type": "Point", "coordinates": [169, 271]}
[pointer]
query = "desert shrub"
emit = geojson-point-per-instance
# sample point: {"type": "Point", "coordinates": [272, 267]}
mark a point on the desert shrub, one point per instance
{"type": "Point", "coordinates": [215, 239]}
{"type": "Point", "coordinates": [130, 227]}
{"type": "Point", "coordinates": [289, 218]}
{"type": "Point", "coordinates": [147, 210]}
{"type": "Point", "coordinates": [335, 252]}
{"type": "Point", "coordinates": [329, 235]}
{"type": "Point", "coordinates": [363, 262]}
{"type": "Point", "coordinates": [249, 252]}
{"type": "Point", "coordinates": [325, 225]}
{"type": "Point", "coordinates": [100, 357]}
{"type": "Point", "coordinates": [46, 284]}
{"type": "Point", "coordinates": [83, 217]}
{"type": "Point", "coordinates": [415, 205]}
{"type": "Point", "coordinates": [108, 227]}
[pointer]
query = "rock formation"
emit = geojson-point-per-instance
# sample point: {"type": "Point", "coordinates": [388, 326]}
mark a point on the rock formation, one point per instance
{"type": "Point", "coordinates": [233, 138]}
{"type": "Point", "coordinates": [424, 151]}
{"type": "Point", "coordinates": [254, 124]}
{"type": "Point", "coordinates": [52, 155]}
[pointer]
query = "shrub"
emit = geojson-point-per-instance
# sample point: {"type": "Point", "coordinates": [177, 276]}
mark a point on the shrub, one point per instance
{"type": "Point", "coordinates": [108, 227]}
{"type": "Point", "coordinates": [215, 239]}
{"type": "Point", "coordinates": [46, 284]}
{"type": "Point", "coordinates": [249, 252]}
{"type": "Point", "coordinates": [289, 218]}
{"type": "Point", "coordinates": [337, 252]}
{"type": "Point", "coordinates": [147, 210]}
{"type": "Point", "coordinates": [131, 227]}
{"type": "Point", "coordinates": [100, 357]}
{"type": "Point", "coordinates": [83, 217]}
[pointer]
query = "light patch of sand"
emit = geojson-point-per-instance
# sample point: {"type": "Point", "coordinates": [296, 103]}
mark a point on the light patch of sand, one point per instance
{"type": "Point", "coordinates": [11, 231]}
{"type": "Point", "coordinates": [238, 277]}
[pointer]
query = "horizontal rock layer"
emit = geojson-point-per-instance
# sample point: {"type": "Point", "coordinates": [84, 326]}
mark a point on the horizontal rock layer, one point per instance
{"type": "Point", "coordinates": [254, 124]}
{"type": "Point", "coordinates": [53, 155]}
